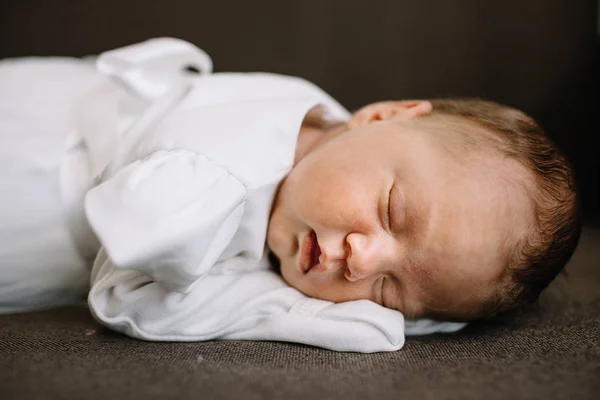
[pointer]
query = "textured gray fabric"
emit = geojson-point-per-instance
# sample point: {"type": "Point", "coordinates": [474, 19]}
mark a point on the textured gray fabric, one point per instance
{"type": "Point", "coordinates": [551, 351]}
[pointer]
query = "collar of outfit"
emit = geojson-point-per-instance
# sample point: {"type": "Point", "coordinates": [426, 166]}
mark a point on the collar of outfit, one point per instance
{"type": "Point", "coordinates": [181, 172]}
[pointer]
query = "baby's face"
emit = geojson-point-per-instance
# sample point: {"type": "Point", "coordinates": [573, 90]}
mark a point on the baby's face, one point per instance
{"type": "Point", "coordinates": [379, 211]}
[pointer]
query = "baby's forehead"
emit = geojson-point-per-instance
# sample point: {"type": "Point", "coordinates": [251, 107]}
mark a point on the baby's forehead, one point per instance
{"type": "Point", "coordinates": [482, 216]}
{"type": "Point", "coordinates": [462, 137]}
{"type": "Point", "coordinates": [480, 151]}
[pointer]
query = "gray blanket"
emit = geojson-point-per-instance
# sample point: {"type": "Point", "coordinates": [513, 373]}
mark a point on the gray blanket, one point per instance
{"type": "Point", "coordinates": [550, 351]}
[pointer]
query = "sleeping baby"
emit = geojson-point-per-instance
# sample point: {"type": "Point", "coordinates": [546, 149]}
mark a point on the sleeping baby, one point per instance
{"type": "Point", "coordinates": [193, 206]}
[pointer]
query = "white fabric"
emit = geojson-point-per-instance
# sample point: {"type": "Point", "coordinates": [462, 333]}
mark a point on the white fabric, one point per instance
{"type": "Point", "coordinates": [40, 266]}
{"type": "Point", "coordinates": [180, 204]}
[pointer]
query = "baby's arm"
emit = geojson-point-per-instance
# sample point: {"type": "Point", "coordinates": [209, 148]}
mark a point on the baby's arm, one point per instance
{"type": "Point", "coordinates": [169, 216]}
{"type": "Point", "coordinates": [164, 222]}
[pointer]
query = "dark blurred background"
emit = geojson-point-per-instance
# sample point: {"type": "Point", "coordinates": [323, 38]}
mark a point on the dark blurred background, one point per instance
{"type": "Point", "coordinates": [538, 55]}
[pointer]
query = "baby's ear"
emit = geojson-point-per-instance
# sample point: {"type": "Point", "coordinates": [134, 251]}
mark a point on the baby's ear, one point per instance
{"type": "Point", "coordinates": [387, 110]}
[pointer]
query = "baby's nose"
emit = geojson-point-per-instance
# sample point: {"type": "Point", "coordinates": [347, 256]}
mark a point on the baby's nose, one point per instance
{"type": "Point", "coordinates": [365, 257]}
{"type": "Point", "coordinates": [333, 255]}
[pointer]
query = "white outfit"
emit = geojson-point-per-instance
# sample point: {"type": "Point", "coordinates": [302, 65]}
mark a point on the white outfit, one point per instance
{"type": "Point", "coordinates": [171, 187]}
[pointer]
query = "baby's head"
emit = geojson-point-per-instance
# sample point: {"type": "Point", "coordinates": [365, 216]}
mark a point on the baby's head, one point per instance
{"type": "Point", "coordinates": [445, 209]}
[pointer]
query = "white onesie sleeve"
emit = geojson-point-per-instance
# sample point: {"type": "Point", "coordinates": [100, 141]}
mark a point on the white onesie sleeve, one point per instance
{"type": "Point", "coordinates": [169, 216]}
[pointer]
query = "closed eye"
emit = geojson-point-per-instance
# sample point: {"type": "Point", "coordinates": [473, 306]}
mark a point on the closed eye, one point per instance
{"type": "Point", "coordinates": [396, 209]}
{"type": "Point", "coordinates": [388, 210]}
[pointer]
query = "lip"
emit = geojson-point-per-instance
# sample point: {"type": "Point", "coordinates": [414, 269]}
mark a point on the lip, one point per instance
{"type": "Point", "coordinates": [308, 255]}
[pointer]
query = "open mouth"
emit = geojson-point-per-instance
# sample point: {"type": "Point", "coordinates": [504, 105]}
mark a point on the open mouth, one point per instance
{"type": "Point", "coordinates": [309, 252]}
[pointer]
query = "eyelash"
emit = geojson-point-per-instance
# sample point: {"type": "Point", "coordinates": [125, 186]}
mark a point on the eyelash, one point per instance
{"type": "Point", "coordinates": [389, 209]}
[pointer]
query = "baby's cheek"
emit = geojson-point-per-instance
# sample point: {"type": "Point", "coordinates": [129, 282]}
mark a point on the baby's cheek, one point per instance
{"type": "Point", "coordinates": [274, 238]}
{"type": "Point", "coordinates": [286, 273]}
